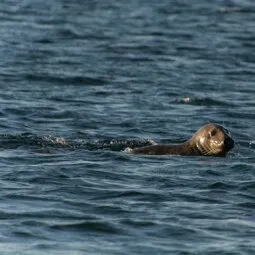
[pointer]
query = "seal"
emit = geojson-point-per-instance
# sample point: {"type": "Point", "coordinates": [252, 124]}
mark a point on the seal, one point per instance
{"type": "Point", "coordinates": [209, 140]}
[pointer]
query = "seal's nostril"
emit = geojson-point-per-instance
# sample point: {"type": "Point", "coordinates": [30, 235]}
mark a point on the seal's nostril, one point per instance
{"type": "Point", "coordinates": [229, 143]}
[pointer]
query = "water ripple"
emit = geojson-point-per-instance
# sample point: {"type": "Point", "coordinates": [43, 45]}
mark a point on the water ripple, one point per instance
{"type": "Point", "coordinates": [83, 80]}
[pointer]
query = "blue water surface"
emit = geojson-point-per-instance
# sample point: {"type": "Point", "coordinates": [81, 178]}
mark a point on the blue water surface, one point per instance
{"type": "Point", "coordinates": [80, 81]}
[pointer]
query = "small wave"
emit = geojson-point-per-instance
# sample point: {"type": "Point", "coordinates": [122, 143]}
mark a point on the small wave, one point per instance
{"type": "Point", "coordinates": [138, 223]}
{"type": "Point", "coordinates": [76, 80]}
{"type": "Point", "coordinates": [9, 141]}
{"type": "Point", "coordinates": [15, 141]}
{"type": "Point", "coordinates": [203, 101]}
{"type": "Point", "coordinates": [252, 144]}
{"type": "Point", "coordinates": [121, 145]}
{"type": "Point", "coordinates": [94, 226]}
{"type": "Point", "coordinates": [234, 9]}
{"type": "Point", "coordinates": [220, 186]}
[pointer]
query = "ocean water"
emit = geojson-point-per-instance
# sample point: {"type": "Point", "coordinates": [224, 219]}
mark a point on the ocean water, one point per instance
{"type": "Point", "coordinates": [82, 80]}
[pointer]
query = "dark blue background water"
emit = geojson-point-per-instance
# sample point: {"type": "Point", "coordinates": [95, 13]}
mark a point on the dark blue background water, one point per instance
{"type": "Point", "coordinates": [81, 81]}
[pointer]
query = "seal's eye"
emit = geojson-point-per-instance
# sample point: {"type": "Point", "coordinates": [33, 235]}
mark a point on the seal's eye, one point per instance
{"type": "Point", "coordinates": [212, 133]}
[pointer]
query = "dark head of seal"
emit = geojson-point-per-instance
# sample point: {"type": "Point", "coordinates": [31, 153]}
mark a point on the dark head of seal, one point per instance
{"type": "Point", "coordinates": [209, 140]}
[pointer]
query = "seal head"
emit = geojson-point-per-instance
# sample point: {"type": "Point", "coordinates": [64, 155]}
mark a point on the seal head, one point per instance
{"type": "Point", "coordinates": [212, 140]}
{"type": "Point", "coordinates": [209, 140]}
